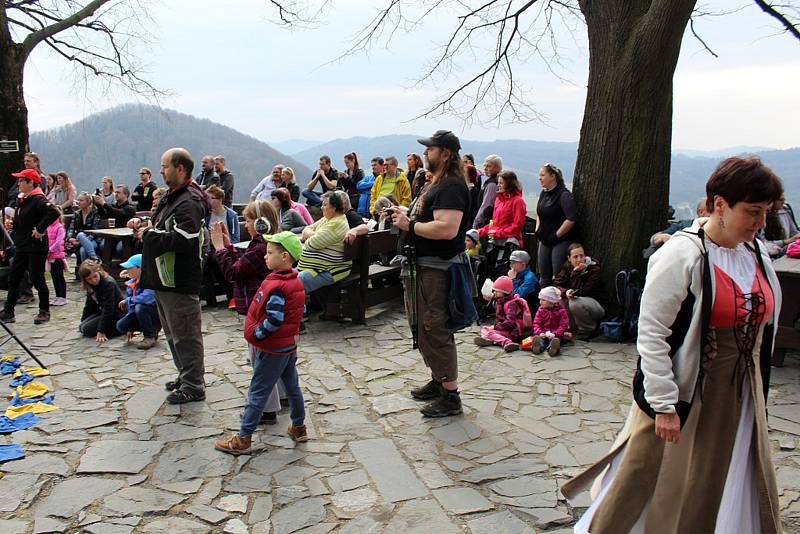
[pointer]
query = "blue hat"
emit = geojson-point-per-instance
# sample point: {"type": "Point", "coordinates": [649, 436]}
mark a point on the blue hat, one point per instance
{"type": "Point", "coordinates": [133, 261]}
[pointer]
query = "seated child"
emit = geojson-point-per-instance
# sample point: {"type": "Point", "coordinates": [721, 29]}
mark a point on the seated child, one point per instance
{"type": "Point", "coordinates": [273, 326]}
{"type": "Point", "coordinates": [101, 310]}
{"type": "Point", "coordinates": [513, 318]}
{"type": "Point", "coordinates": [525, 282]}
{"type": "Point", "coordinates": [472, 244]}
{"type": "Point", "coordinates": [140, 305]}
{"type": "Point", "coordinates": [551, 323]}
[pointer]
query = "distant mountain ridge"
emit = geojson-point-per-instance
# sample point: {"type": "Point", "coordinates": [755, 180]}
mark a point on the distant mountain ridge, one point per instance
{"type": "Point", "coordinates": [119, 141]}
{"type": "Point", "coordinates": [687, 180]}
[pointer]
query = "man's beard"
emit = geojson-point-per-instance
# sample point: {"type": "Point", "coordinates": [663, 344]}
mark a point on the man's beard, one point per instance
{"type": "Point", "coordinates": [432, 166]}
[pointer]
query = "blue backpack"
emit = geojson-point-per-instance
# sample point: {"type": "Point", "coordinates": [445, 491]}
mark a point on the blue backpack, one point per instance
{"type": "Point", "coordinates": [628, 285]}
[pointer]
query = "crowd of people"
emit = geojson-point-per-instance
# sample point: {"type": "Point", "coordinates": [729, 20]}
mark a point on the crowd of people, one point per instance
{"type": "Point", "coordinates": [707, 322]}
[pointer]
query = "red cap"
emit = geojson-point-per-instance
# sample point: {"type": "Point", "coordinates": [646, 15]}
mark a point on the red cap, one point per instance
{"type": "Point", "coordinates": [503, 284]}
{"type": "Point", "coordinates": [29, 174]}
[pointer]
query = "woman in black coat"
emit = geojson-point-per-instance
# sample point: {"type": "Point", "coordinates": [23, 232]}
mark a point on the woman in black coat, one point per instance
{"type": "Point", "coordinates": [101, 310]}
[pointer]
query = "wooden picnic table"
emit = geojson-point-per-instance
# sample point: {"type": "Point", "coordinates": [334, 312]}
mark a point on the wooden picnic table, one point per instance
{"type": "Point", "coordinates": [788, 337]}
{"type": "Point", "coordinates": [110, 237]}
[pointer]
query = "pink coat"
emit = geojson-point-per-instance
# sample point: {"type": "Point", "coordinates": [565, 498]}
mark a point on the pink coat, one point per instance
{"type": "Point", "coordinates": [553, 319]}
{"type": "Point", "coordinates": [299, 208]}
{"type": "Point", "coordinates": [508, 217]}
{"type": "Point", "coordinates": [55, 237]}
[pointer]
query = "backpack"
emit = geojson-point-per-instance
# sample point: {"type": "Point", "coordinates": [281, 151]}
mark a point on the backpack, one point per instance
{"type": "Point", "coordinates": [527, 321]}
{"type": "Point", "coordinates": [628, 285]}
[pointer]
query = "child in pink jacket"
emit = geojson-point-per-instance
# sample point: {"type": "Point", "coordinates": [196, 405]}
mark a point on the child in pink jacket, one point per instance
{"type": "Point", "coordinates": [551, 323]}
{"type": "Point", "coordinates": [56, 259]}
{"type": "Point", "coordinates": [513, 318]}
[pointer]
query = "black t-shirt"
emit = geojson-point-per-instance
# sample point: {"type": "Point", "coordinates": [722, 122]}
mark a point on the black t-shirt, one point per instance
{"type": "Point", "coordinates": [450, 193]}
{"type": "Point", "coordinates": [143, 196]}
{"type": "Point", "coordinates": [555, 207]}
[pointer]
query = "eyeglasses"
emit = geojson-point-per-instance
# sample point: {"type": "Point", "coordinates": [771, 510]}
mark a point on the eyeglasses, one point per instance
{"type": "Point", "coordinates": [143, 173]}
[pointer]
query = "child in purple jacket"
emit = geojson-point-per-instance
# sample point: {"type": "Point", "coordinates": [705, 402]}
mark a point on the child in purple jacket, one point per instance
{"type": "Point", "coordinates": [513, 318]}
{"type": "Point", "coordinates": [551, 323]}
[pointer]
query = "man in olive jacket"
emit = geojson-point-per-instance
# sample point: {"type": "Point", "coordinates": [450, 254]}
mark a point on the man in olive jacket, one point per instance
{"type": "Point", "coordinates": [172, 266]}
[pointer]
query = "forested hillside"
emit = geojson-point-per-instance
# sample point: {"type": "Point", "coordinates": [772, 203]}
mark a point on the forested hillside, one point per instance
{"type": "Point", "coordinates": [119, 141]}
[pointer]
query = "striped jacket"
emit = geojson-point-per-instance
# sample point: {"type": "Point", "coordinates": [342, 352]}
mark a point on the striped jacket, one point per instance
{"type": "Point", "coordinates": [324, 250]}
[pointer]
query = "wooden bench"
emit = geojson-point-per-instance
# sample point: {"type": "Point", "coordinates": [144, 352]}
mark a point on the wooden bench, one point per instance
{"type": "Point", "coordinates": [352, 296]}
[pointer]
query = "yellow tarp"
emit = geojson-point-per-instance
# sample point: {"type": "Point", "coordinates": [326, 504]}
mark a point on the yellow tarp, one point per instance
{"type": "Point", "coordinates": [34, 407]}
{"type": "Point", "coordinates": [33, 371]}
{"type": "Point", "coordinates": [31, 390]}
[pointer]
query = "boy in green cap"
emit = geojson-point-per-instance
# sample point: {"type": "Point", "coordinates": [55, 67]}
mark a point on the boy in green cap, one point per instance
{"type": "Point", "coordinates": [272, 326]}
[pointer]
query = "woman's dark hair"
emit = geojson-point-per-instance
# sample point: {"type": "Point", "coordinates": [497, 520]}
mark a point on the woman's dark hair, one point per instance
{"type": "Point", "coordinates": [511, 180]}
{"type": "Point", "coordinates": [282, 194]}
{"type": "Point", "coordinates": [774, 230]}
{"type": "Point", "coordinates": [53, 177]}
{"type": "Point", "coordinates": [417, 161]}
{"type": "Point", "coordinates": [555, 171]}
{"type": "Point", "coordinates": [743, 180]}
{"type": "Point", "coordinates": [470, 158]}
{"type": "Point", "coordinates": [334, 201]}
{"type": "Point", "coordinates": [472, 173]}
{"type": "Point", "coordinates": [354, 158]}
{"type": "Point", "coordinates": [570, 248]}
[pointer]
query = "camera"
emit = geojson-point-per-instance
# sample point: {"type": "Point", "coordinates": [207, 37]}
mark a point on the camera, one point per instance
{"type": "Point", "coordinates": [97, 192]}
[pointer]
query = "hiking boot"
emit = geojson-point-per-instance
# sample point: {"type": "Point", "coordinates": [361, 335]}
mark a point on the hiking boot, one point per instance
{"type": "Point", "coordinates": [483, 342]}
{"type": "Point", "coordinates": [536, 345]}
{"type": "Point", "coordinates": [449, 403]}
{"type": "Point", "coordinates": [173, 385]}
{"type": "Point", "coordinates": [7, 317]}
{"type": "Point", "coordinates": [268, 418]}
{"type": "Point", "coordinates": [511, 347]}
{"type": "Point", "coordinates": [429, 391]}
{"type": "Point", "coordinates": [182, 396]}
{"type": "Point", "coordinates": [43, 317]}
{"type": "Point", "coordinates": [25, 299]}
{"type": "Point", "coordinates": [554, 347]}
{"type": "Point", "coordinates": [235, 444]}
{"type": "Point", "coordinates": [146, 343]}
{"type": "Point", "coordinates": [298, 433]}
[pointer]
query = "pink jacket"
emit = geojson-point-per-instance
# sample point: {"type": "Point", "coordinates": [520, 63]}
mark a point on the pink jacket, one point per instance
{"type": "Point", "coordinates": [299, 208]}
{"type": "Point", "coordinates": [513, 317]}
{"type": "Point", "coordinates": [55, 236]}
{"type": "Point", "coordinates": [508, 217]}
{"type": "Point", "coordinates": [553, 319]}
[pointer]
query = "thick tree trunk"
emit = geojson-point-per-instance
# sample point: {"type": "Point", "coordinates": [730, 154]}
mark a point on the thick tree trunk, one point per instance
{"type": "Point", "coordinates": [13, 112]}
{"type": "Point", "coordinates": [622, 172]}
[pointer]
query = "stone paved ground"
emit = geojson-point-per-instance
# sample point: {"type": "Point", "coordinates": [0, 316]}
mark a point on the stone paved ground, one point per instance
{"type": "Point", "coordinates": [117, 459]}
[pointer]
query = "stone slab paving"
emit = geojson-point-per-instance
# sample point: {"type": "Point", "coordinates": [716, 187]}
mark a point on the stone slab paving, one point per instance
{"type": "Point", "coordinates": [118, 459]}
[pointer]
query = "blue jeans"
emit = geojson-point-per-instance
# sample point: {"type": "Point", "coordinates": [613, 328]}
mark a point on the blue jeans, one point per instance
{"type": "Point", "coordinates": [142, 318]}
{"type": "Point", "coordinates": [89, 246]}
{"type": "Point", "coordinates": [312, 283]}
{"type": "Point", "coordinates": [267, 369]}
{"type": "Point", "coordinates": [312, 198]}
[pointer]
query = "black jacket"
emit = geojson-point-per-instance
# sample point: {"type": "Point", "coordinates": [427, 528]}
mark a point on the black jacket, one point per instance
{"type": "Point", "coordinates": [204, 179]}
{"type": "Point", "coordinates": [92, 222]}
{"type": "Point", "coordinates": [104, 301]}
{"type": "Point", "coordinates": [33, 211]}
{"type": "Point", "coordinates": [120, 214]}
{"type": "Point", "coordinates": [294, 190]}
{"type": "Point", "coordinates": [226, 183]}
{"type": "Point", "coordinates": [172, 248]}
{"type": "Point", "coordinates": [143, 196]}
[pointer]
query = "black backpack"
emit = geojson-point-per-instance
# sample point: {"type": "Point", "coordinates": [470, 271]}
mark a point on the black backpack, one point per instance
{"type": "Point", "coordinates": [628, 285]}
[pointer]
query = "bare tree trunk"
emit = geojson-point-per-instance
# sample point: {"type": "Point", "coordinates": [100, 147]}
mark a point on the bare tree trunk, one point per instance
{"type": "Point", "coordinates": [13, 112]}
{"type": "Point", "coordinates": [622, 171]}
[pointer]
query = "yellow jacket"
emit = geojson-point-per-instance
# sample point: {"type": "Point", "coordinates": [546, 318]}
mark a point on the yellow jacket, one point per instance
{"type": "Point", "coordinates": [402, 191]}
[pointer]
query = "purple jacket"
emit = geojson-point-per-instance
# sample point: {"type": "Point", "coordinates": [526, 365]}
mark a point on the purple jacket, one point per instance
{"type": "Point", "coordinates": [553, 319]}
{"type": "Point", "coordinates": [245, 271]}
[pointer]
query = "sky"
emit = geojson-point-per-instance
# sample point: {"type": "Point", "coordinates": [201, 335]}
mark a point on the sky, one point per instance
{"type": "Point", "coordinates": [237, 67]}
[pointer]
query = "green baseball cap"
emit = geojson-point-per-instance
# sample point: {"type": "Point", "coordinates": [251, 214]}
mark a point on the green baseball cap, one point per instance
{"type": "Point", "coordinates": [287, 240]}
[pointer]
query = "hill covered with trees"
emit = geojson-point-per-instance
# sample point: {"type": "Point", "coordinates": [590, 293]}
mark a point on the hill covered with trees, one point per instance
{"type": "Point", "coordinates": [119, 141]}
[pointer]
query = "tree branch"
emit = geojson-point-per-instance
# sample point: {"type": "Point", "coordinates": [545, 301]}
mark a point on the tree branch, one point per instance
{"type": "Point", "coordinates": [48, 31]}
{"type": "Point", "coordinates": [702, 42]}
{"type": "Point", "coordinates": [770, 9]}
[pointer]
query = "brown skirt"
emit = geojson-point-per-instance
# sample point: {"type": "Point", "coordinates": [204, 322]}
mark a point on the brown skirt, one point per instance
{"type": "Point", "coordinates": [678, 488]}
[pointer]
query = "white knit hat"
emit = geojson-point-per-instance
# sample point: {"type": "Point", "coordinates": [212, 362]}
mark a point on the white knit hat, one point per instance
{"type": "Point", "coordinates": [550, 294]}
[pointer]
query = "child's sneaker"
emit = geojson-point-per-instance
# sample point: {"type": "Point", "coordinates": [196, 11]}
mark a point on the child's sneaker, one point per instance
{"type": "Point", "coordinates": [554, 347]}
{"type": "Point", "coordinates": [511, 347]}
{"type": "Point", "coordinates": [483, 342]}
{"type": "Point", "coordinates": [59, 301]}
{"type": "Point", "coordinates": [298, 433]}
{"type": "Point", "coordinates": [235, 444]}
{"type": "Point", "coordinates": [536, 345]}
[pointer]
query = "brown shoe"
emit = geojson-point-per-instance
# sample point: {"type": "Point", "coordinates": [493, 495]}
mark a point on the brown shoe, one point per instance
{"type": "Point", "coordinates": [43, 317]}
{"type": "Point", "coordinates": [235, 444]}
{"type": "Point", "coordinates": [25, 299]}
{"type": "Point", "coordinates": [146, 343]}
{"type": "Point", "coordinates": [298, 433]}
